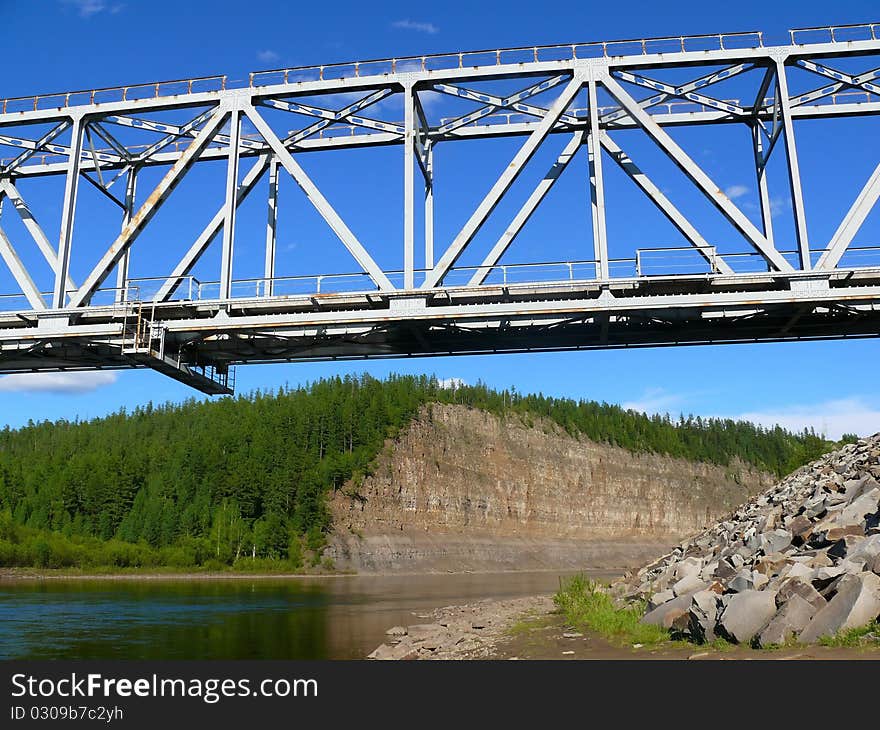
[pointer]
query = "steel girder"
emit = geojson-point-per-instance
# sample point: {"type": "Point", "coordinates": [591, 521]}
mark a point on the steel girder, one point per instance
{"type": "Point", "coordinates": [112, 134]}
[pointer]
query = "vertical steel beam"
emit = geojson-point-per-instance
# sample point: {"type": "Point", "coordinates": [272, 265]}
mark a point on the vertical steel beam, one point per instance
{"type": "Point", "coordinates": [230, 206]}
{"type": "Point", "coordinates": [763, 189]}
{"type": "Point", "coordinates": [122, 266]}
{"type": "Point", "coordinates": [71, 186]}
{"type": "Point", "coordinates": [429, 205]}
{"type": "Point", "coordinates": [794, 173]}
{"type": "Point", "coordinates": [191, 257]}
{"type": "Point", "coordinates": [597, 185]}
{"type": "Point", "coordinates": [271, 228]}
{"type": "Point", "coordinates": [409, 144]}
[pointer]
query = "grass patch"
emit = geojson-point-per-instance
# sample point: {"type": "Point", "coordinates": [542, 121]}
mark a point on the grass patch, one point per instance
{"type": "Point", "coordinates": [527, 624]}
{"type": "Point", "coordinates": [585, 604]}
{"type": "Point", "coordinates": [861, 637]}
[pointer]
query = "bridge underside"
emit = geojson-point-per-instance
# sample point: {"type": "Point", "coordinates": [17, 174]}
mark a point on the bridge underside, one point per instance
{"type": "Point", "coordinates": [197, 342]}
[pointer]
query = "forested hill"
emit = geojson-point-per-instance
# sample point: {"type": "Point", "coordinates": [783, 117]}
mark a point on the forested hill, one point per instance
{"type": "Point", "coordinates": [243, 479]}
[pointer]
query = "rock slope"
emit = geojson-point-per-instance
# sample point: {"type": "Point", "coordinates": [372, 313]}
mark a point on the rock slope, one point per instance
{"type": "Point", "coordinates": [797, 563]}
{"type": "Point", "coordinates": [462, 489]}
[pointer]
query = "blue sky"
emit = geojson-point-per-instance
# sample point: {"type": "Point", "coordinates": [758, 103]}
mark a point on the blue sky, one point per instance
{"type": "Point", "coordinates": [72, 44]}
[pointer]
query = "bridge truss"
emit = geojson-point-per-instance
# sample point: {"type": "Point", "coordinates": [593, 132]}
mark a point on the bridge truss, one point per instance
{"type": "Point", "coordinates": [192, 330]}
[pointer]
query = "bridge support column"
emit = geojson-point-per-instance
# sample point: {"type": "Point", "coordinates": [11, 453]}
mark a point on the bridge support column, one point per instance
{"type": "Point", "coordinates": [231, 207]}
{"type": "Point", "coordinates": [71, 186]}
{"type": "Point", "coordinates": [597, 185]}
{"type": "Point", "coordinates": [409, 141]}
{"type": "Point", "coordinates": [271, 226]}
{"type": "Point", "coordinates": [429, 205]}
{"type": "Point", "coordinates": [122, 266]}
{"type": "Point", "coordinates": [763, 190]}
{"type": "Point", "coordinates": [794, 173]}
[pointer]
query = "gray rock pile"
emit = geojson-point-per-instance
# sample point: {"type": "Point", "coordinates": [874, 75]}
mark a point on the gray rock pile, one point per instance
{"type": "Point", "coordinates": [799, 562]}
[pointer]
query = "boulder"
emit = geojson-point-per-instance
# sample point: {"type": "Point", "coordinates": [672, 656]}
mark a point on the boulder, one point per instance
{"type": "Point", "coordinates": [687, 567]}
{"type": "Point", "coordinates": [856, 603]}
{"type": "Point", "coordinates": [775, 541]}
{"type": "Point", "coordinates": [659, 598]}
{"type": "Point", "coordinates": [689, 584]}
{"type": "Point", "coordinates": [802, 589]}
{"type": "Point", "coordinates": [390, 653]}
{"type": "Point", "coordinates": [789, 621]}
{"type": "Point", "coordinates": [747, 613]}
{"type": "Point", "coordinates": [702, 615]}
{"type": "Point", "coordinates": [666, 614]}
{"type": "Point", "coordinates": [859, 508]}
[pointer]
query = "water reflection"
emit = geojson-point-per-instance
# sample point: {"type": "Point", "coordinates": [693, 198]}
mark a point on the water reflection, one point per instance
{"type": "Point", "coordinates": [243, 618]}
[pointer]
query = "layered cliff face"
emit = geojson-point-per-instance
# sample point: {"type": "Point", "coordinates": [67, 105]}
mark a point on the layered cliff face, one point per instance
{"type": "Point", "coordinates": [461, 489]}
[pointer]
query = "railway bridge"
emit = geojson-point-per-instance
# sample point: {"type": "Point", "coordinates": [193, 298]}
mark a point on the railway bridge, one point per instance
{"type": "Point", "coordinates": [70, 304]}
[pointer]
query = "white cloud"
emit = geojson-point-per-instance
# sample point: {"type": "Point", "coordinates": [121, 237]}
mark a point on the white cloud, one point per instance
{"type": "Point", "coordinates": [653, 400]}
{"type": "Point", "coordinates": [451, 383]}
{"type": "Point", "coordinates": [736, 191]}
{"type": "Point", "coordinates": [88, 8]}
{"type": "Point", "coordinates": [778, 206]}
{"type": "Point", "coordinates": [415, 25]}
{"type": "Point", "coordinates": [831, 418]}
{"type": "Point", "coordinates": [268, 56]}
{"type": "Point", "coordinates": [74, 382]}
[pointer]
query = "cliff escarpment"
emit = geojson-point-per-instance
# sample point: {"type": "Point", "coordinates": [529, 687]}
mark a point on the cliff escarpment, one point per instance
{"type": "Point", "coordinates": [462, 489]}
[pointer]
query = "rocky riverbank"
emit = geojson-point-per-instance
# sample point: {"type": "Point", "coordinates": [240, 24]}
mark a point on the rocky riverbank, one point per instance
{"type": "Point", "coordinates": [470, 631]}
{"type": "Point", "coordinates": [798, 563]}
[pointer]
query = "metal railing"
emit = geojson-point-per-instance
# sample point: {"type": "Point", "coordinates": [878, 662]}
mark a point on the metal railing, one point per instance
{"type": "Point", "coordinates": [432, 62]}
{"type": "Point", "coordinates": [667, 262]}
{"type": "Point", "coordinates": [386, 66]}
{"type": "Point", "coordinates": [837, 33]}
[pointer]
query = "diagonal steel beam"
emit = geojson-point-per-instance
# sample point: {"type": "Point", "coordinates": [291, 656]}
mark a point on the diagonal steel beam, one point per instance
{"type": "Point", "coordinates": [32, 226]}
{"type": "Point", "coordinates": [317, 199]}
{"type": "Point", "coordinates": [151, 206]}
{"type": "Point", "coordinates": [496, 103]}
{"type": "Point", "coordinates": [679, 93]}
{"type": "Point", "coordinates": [114, 143]}
{"type": "Point", "coordinates": [861, 81]}
{"type": "Point", "coordinates": [20, 273]}
{"type": "Point", "coordinates": [851, 223]}
{"type": "Point", "coordinates": [502, 185]}
{"type": "Point", "coordinates": [699, 83]}
{"type": "Point", "coordinates": [527, 209]}
{"type": "Point", "coordinates": [181, 131]}
{"type": "Point", "coordinates": [696, 174]}
{"type": "Point", "coordinates": [663, 203]}
{"type": "Point", "coordinates": [37, 146]}
{"type": "Point", "coordinates": [340, 116]}
{"type": "Point", "coordinates": [317, 111]}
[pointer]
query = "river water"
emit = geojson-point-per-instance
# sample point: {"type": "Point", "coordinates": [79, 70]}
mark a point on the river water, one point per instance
{"type": "Point", "coordinates": [342, 617]}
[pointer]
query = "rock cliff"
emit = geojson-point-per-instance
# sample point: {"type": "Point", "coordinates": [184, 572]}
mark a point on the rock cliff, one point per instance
{"type": "Point", "coordinates": [461, 489]}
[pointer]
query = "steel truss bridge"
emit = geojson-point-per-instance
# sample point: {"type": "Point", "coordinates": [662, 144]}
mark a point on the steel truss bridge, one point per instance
{"type": "Point", "coordinates": [194, 330]}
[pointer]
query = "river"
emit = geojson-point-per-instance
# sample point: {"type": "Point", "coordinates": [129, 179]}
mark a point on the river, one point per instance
{"type": "Point", "coordinates": [341, 617]}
